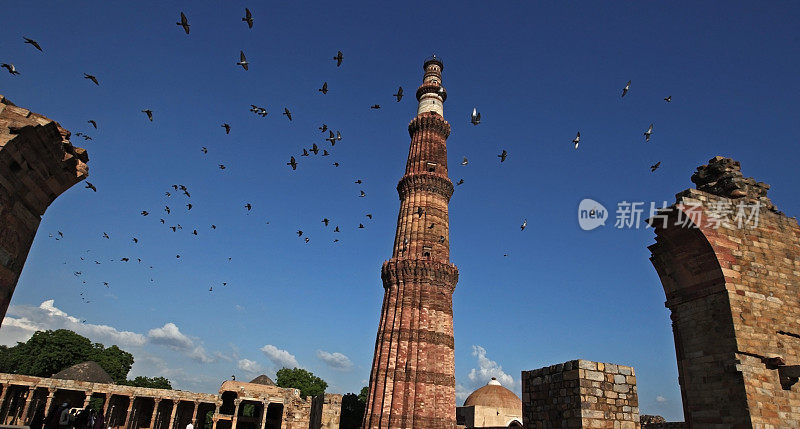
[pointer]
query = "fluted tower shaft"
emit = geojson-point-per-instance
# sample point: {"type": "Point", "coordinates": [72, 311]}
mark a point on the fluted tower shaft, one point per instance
{"type": "Point", "coordinates": [412, 383]}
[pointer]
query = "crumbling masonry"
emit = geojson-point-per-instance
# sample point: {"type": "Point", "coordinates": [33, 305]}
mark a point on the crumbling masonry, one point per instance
{"type": "Point", "coordinates": [729, 263]}
{"type": "Point", "coordinates": [37, 164]}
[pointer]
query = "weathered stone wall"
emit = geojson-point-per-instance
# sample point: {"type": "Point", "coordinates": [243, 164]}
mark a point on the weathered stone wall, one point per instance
{"type": "Point", "coordinates": [326, 411]}
{"type": "Point", "coordinates": [580, 394]}
{"type": "Point", "coordinates": [732, 284]}
{"type": "Point", "coordinates": [37, 164]}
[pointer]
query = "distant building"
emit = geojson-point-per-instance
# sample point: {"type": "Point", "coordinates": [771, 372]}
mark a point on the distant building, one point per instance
{"type": "Point", "coordinates": [491, 406]}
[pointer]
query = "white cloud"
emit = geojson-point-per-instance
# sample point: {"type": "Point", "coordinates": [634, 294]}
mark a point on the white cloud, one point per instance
{"type": "Point", "coordinates": [281, 358]}
{"type": "Point", "coordinates": [661, 399]}
{"type": "Point", "coordinates": [169, 335]}
{"type": "Point", "coordinates": [250, 366]}
{"type": "Point", "coordinates": [22, 321]}
{"type": "Point", "coordinates": [487, 369]}
{"type": "Point", "coordinates": [461, 393]}
{"type": "Point", "coordinates": [335, 360]}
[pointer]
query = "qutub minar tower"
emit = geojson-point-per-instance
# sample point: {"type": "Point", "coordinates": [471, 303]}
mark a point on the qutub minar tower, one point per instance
{"type": "Point", "coordinates": [412, 383]}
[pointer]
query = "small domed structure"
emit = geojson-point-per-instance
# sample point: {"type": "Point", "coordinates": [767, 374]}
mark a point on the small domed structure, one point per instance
{"type": "Point", "coordinates": [87, 371]}
{"type": "Point", "coordinates": [491, 406]}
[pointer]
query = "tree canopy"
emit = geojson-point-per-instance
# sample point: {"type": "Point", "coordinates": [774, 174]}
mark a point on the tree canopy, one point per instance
{"type": "Point", "coordinates": [298, 378]}
{"type": "Point", "coordinates": [48, 352]}
{"type": "Point", "coordinates": [151, 382]}
{"type": "Point", "coordinates": [353, 407]}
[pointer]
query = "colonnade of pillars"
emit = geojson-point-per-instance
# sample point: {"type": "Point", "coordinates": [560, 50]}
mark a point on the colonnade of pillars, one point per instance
{"type": "Point", "coordinates": [14, 412]}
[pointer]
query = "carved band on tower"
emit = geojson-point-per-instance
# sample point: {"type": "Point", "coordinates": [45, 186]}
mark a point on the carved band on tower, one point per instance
{"type": "Point", "coordinates": [412, 383]}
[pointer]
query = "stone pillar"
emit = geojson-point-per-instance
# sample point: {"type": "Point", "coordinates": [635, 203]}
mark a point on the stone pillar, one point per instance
{"type": "Point", "coordinates": [37, 164]}
{"type": "Point", "coordinates": [50, 394]}
{"type": "Point", "coordinates": [156, 401]}
{"type": "Point", "coordinates": [87, 399]}
{"type": "Point", "coordinates": [128, 413]}
{"type": "Point", "coordinates": [194, 413]}
{"type": "Point", "coordinates": [106, 404]}
{"type": "Point", "coordinates": [215, 419]}
{"type": "Point", "coordinates": [175, 404]}
{"type": "Point", "coordinates": [264, 414]}
{"type": "Point", "coordinates": [235, 419]}
{"type": "Point", "coordinates": [412, 381]}
{"type": "Point", "coordinates": [580, 394]}
{"type": "Point", "coordinates": [26, 408]}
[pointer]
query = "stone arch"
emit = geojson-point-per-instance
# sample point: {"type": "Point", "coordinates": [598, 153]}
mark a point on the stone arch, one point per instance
{"type": "Point", "coordinates": [514, 424]}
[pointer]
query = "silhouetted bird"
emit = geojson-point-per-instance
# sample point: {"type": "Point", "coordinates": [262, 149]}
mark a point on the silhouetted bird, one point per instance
{"type": "Point", "coordinates": [149, 114]}
{"type": "Point", "coordinates": [460, 182]}
{"type": "Point", "coordinates": [668, 99]}
{"type": "Point", "coordinates": [361, 226]}
{"type": "Point", "coordinates": [94, 124]}
{"type": "Point", "coordinates": [10, 67]}
{"type": "Point", "coordinates": [335, 164]}
{"type": "Point", "coordinates": [369, 215]}
{"type": "Point", "coordinates": [655, 166]}
{"type": "Point", "coordinates": [299, 232]}
{"type": "Point", "coordinates": [577, 140]}
{"type": "Point", "coordinates": [465, 161]}
{"type": "Point", "coordinates": [32, 43]}
{"type": "Point", "coordinates": [399, 94]}
{"type": "Point", "coordinates": [287, 113]}
{"type": "Point", "coordinates": [336, 229]}
{"type": "Point", "coordinates": [248, 206]}
{"type": "Point", "coordinates": [338, 58]}
{"type": "Point", "coordinates": [358, 182]}
{"type": "Point", "coordinates": [648, 133]}
{"type": "Point", "coordinates": [475, 118]}
{"type": "Point", "coordinates": [315, 149]}
{"type": "Point", "coordinates": [307, 240]}
{"type": "Point", "coordinates": [166, 209]}
{"type": "Point", "coordinates": [204, 150]}
{"type": "Point", "coordinates": [625, 90]}
{"type": "Point", "coordinates": [325, 152]}
{"type": "Point", "coordinates": [188, 206]}
{"type": "Point", "coordinates": [324, 88]}
{"type": "Point", "coordinates": [92, 78]}
{"type": "Point", "coordinates": [243, 61]}
{"type": "Point", "coordinates": [524, 225]}
{"type": "Point", "coordinates": [106, 236]}
{"type": "Point", "coordinates": [375, 106]}
{"type": "Point", "coordinates": [227, 128]}
{"type": "Point", "coordinates": [362, 194]}
{"type": "Point", "coordinates": [293, 163]}
{"type": "Point", "coordinates": [503, 155]}
{"type": "Point", "coordinates": [90, 186]}
{"type": "Point", "coordinates": [305, 152]}
{"type": "Point", "coordinates": [323, 128]}
{"type": "Point", "coordinates": [135, 240]}
{"type": "Point", "coordinates": [184, 23]}
{"type": "Point", "coordinates": [325, 221]}
{"type": "Point", "coordinates": [145, 213]}
{"type": "Point", "coordinates": [248, 18]}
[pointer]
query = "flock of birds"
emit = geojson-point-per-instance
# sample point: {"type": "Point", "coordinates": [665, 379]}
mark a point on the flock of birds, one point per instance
{"type": "Point", "coordinates": [332, 137]}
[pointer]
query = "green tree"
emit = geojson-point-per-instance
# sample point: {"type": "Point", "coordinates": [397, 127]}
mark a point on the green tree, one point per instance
{"type": "Point", "coordinates": [298, 378]}
{"type": "Point", "coordinates": [151, 382]}
{"type": "Point", "coordinates": [353, 407]}
{"type": "Point", "coordinates": [115, 361]}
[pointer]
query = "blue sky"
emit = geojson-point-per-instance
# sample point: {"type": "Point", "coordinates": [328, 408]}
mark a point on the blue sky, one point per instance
{"type": "Point", "coordinates": [538, 72]}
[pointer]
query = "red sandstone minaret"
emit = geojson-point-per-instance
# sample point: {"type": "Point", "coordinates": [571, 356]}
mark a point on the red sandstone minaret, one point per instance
{"type": "Point", "coordinates": [412, 383]}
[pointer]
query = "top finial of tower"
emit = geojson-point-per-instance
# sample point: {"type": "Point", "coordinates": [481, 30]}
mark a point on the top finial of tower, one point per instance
{"type": "Point", "coordinates": [433, 59]}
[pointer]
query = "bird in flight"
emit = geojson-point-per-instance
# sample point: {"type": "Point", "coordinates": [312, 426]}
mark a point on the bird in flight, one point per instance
{"type": "Point", "coordinates": [222, 166]}
{"type": "Point", "coordinates": [375, 106]}
{"type": "Point", "coordinates": [577, 140]}
{"type": "Point", "coordinates": [299, 232]}
{"type": "Point", "coordinates": [324, 88]}
{"type": "Point", "coordinates": [625, 90]}
{"type": "Point", "coordinates": [369, 215]}
{"type": "Point", "coordinates": [325, 152]}
{"type": "Point", "coordinates": [227, 128]}
{"type": "Point", "coordinates": [105, 235]}
{"type": "Point", "coordinates": [166, 209]}
{"type": "Point", "coordinates": [293, 163]}
{"type": "Point", "coordinates": [90, 186]}
{"type": "Point", "coordinates": [305, 152]}
{"type": "Point", "coordinates": [358, 182]}
{"type": "Point", "coordinates": [361, 226]}
{"type": "Point", "coordinates": [339, 57]}
{"type": "Point", "coordinates": [399, 94]}
{"type": "Point", "coordinates": [149, 114]}
{"type": "Point", "coordinates": [323, 128]}
{"type": "Point", "coordinates": [503, 155]}
{"type": "Point", "coordinates": [336, 229]}
{"type": "Point", "coordinates": [475, 118]}
{"type": "Point", "coordinates": [248, 18]}
{"type": "Point", "coordinates": [668, 99]}
{"type": "Point", "coordinates": [315, 149]}
{"type": "Point", "coordinates": [325, 221]}
{"type": "Point", "coordinates": [184, 23]}
{"type": "Point", "coordinates": [465, 161]}
{"type": "Point", "coordinates": [363, 194]}
{"type": "Point", "coordinates": [243, 61]}
{"type": "Point", "coordinates": [648, 133]}
{"type": "Point", "coordinates": [204, 149]}
{"type": "Point", "coordinates": [335, 164]}
{"type": "Point", "coordinates": [287, 113]}
{"type": "Point", "coordinates": [145, 213]}
{"type": "Point", "coordinates": [188, 206]}
{"type": "Point", "coordinates": [92, 78]}
{"type": "Point", "coordinates": [524, 225]}
{"type": "Point", "coordinates": [248, 206]}
{"type": "Point", "coordinates": [32, 43]}
{"type": "Point", "coordinates": [460, 182]}
{"type": "Point", "coordinates": [655, 166]}
{"type": "Point", "coordinates": [333, 138]}
{"type": "Point", "coordinates": [92, 121]}
{"type": "Point", "coordinates": [10, 67]}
